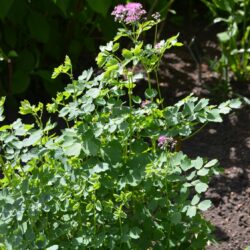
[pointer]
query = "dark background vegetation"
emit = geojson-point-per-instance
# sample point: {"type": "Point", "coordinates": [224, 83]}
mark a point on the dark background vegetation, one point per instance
{"type": "Point", "coordinates": [36, 35]}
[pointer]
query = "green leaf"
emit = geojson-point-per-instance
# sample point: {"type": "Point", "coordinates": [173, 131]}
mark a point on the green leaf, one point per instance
{"type": "Point", "coordinates": [175, 217]}
{"type": "Point", "coordinates": [89, 207]}
{"type": "Point", "coordinates": [211, 163]}
{"type": "Point", "coordinates": [201, 187]}
{"type": "Point", "coordinates": [73, 150]}
{"type": "Point", "coordinates": [39, 27]}
{"type": "Point", "coordinates": [227, 5]}
{"type": "Point", "coordinates": [54, 247]}
{"type": "Point", "coordinates": [201, 104]}
{"type": "Point", "coordinates": [116, 46]}
{"type": "Point", "coordinates": [127, 54]}
{"type": "Point", "coordinates": [63, 68]}
{"type": "Point", "coordinates": [235, 104]}
{"type": "Point", "coordinates": [33, 139]}
{"type": "Point", "coordinates": [93, 92]}
{"type": "Point", "coordinates": [130, 85]}
{"type": "Point", "coordinates": [101, 59]}
{"type": "Point", "coordinates": [150, 93]}
{"type": "Point", "coordinates": [138, 146]}
{"type": "Point", "coordinates": [188, 108]}
{"type": "Point", "coordinates": [191, 212]}
{"type": "Point", "coordinates": [195, 200]}
{"type": "Point", "coordinates": [98, 206]}
{"type": "Point", "coordinates": [214, 115]}
{"type": "Point", "coordinates": [135, 232]}
{"type": "Point", "coordinates": [223, 36]}
{"type": "Point", "coordinates": [136, 99]}
{"type": "Point", "coordinates": [21, 81]}
{"type": "Point", "coordinates": [100, 6]}
{"type": "Point", "coordinates": [198, 163]}
{"type": "Point", "coordinates": [113, 152]}
{"type": "Point", "coordinates": [86, 75]}
{"type": "Point", "coordinates": [203, 172]}
{"type": "Point", "coordinates": [191, 175]}
{"type": "Point", "coordinates": [186, 164]}
{"type": "Point", "coordinates": [100, 167]}
{"type": "Point", "coordinates": [223, 107]}
{"type": "Point", "coordinates": [204, 205]}
{"type": "Point", "coordinates": [91, 145]}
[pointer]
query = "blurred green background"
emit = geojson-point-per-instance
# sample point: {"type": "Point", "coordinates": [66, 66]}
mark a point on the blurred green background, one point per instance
{"type": "Point", "coordinates": [36, 35]}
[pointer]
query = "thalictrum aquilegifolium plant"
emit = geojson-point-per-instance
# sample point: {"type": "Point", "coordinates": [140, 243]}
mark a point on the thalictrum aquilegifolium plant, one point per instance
{"type": "Point", "coordinates": [112, 177]}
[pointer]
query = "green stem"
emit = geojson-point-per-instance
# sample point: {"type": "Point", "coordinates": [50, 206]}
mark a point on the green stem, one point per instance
{"type": "Point", "coordinates": [130, 92]}
{"type": "Point", "coordinates": [38, 121]}
{"type": "Point", "coordinates": [149, 80]}
{"type": "Point", "coordinates": [149, 84]}
{"type": "Point", "coordinates": [126, 151]}
{"type": "Point", "coordinates": [158, 88]}
{"type": "Point", "coordinates": [120, 224]}
{"type": "Point", "coordinates": [155, 38]}
{"type": "Point", "coordinates": [168, 202]}
{"type": "Point", "coordinates": [195, 132]}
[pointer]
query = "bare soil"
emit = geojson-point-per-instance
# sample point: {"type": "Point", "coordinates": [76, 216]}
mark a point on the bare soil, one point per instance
{"type": "Point", "coordinates": [229, 142]}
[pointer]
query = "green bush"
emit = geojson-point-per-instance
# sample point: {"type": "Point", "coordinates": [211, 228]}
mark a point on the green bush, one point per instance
{"type": "Point", "coordinates": [234, 40]}
{"type": "Point", "coordinates": [113, 178]}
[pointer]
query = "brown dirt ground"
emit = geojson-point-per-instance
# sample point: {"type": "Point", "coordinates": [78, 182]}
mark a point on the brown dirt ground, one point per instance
{"type": "Point", "coordinates": [229, 142]}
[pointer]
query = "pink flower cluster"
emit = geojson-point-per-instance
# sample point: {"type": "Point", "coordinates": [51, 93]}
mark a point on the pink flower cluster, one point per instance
{"type": "Point", "coordinates": [129, 13]}
{"type": "Point", "coordinates": [159, 45]}
{"type": "Point", "coordinates": [164, 141]}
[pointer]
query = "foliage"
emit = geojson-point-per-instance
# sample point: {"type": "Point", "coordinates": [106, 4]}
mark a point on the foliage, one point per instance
{"type": "Point", "coordinates": [36, 34]}
{"type": "Point", "coordinates": [234, 41]}
{"type": "Point", "coordinates": [105, 181]}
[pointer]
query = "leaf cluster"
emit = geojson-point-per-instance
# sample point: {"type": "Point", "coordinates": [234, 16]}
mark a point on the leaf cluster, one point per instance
{"type": "Point", "coordinates": [103, 182]}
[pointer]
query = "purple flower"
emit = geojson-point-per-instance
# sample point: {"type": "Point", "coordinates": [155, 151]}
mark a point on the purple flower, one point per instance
{"type": "Point", "coordinates": [159, 45]}
{"type": "Point", "coordinates": [119, 12]}
{"type": "Point", "coordinates": [162, 141]}
{"type": "Point", "coordinates": [145, 103]}
{"type": "Point", "coordinates": [134, 12]}
{"type": "Point", "coordinates": [129, 13]}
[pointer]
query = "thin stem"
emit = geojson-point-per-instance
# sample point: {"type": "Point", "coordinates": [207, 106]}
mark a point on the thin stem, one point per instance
{"type": "Point", "coordinates": [158, 87]}
{"type": "Point", "coordinates": [155, 38]}
{"type": "Point", "coordinates": [168, 202]}
{"type": "Point", "coordinates": [195, 132]}
{"type": "Point", "coordinates": [126, 151]}
{"type": "Point", "coordinates": [130, 92]}
{"type": "Point", "coordinates": [120, 224]}
{"type": "Point", "coordinates": [149, 81]}
{"type": "Point", "coordinates": [38, 120]}
{"type": "Point", "coordinates": [66, 121]}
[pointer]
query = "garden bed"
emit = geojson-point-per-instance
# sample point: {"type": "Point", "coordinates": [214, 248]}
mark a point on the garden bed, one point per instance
{"type": "Point", "coordinates": [229, 142]}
